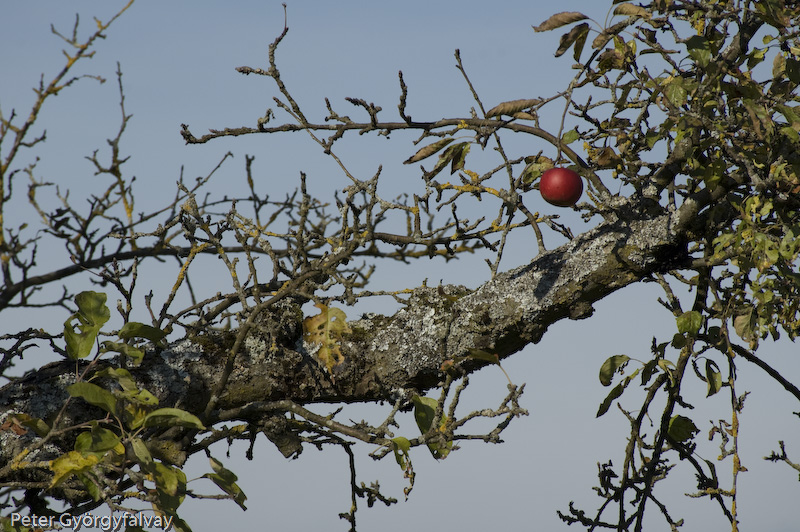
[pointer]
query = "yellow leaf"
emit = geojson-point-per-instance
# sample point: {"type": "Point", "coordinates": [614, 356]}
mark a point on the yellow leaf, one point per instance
{"type": "Point", "coordinates": [71, 463]}
{"type": "Point", "coordinates": [326, 330]}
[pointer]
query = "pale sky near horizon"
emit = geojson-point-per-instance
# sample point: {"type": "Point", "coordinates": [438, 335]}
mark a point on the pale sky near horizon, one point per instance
{"type": "Point", "coordinates": [178, 60]}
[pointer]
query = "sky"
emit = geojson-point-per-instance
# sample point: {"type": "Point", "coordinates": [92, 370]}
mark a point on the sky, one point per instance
{"type": "Point", "coordinates": [178, 61]}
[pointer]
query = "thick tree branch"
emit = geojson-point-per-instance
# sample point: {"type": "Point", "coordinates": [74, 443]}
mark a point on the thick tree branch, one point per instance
{"type": "Point", "coordinates": [385, 357]}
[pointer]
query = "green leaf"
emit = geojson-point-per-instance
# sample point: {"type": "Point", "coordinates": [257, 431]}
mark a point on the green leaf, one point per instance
{"type": "Point", "coordinates": [97, 440]}
{"type": "Point", "coordinates": [744, 325]}
{"type": "Point", "coordinates": [167, 478]}
{"type": "Point", "coordinates": [615, 392]}
{"type": "Point", "coordinates": [483, 355]}
{"type": "Point", "coordinates": [690, 322]}
{"type": "Point", "coordinates": [681, 428]}
{"type": "Point", "coordinates": [226, 481]}
{"type": "Point", "coordinates": [91, 486]}
{"type": "Point", "coordinates": [121, 376]}
{"type": "Point", "coordinates": [134, 329]}
{"type": "Point", "coordinates": [141, 452]}
{"type": "Point", "coordinates": [676, 92]}
{"type": "Point", "coordinates": [713, 378]}
{"type": "Point", "coordinates": [401, 447]}
{"type": "Point", "coordinates": [699, 50]}
{"type": "Point", "coordinates": [94, 395]}
{"type": "Point", "coordinates": [424, 412]}
{"type": "Point", "coordinates": [611, 366]}
{"type": "Point", "coordinates": [570, 136]}
{"type": "Point", "coordinates": [793, 70]}
{"type": "Point", "coordinates": [648, 371]}
{"type": "Point", "coordinates": [140, 397]}
{"type": "Point", "coordinates": [91, 316]}
{"type": "Point", "coordinates": [135, 354]}
{"type": "Point", "coordinates": [172, 417]}
{"type": "Point", "coordinates": [678, 341]}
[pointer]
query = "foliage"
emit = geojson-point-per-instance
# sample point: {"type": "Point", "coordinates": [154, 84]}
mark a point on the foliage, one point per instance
{"type": "Point", "coordinates": [690, 109]}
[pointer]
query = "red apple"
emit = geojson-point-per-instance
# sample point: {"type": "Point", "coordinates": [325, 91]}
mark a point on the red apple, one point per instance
{"type": "Point", "coordinates": [561, 187]}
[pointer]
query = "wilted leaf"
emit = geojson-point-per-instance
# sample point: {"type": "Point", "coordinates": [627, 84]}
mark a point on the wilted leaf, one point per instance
{"type": "Point", "coordinates": [607, 158]}
{"type": "Point", "coordinates": [401, 447]}
{"type": "Point", "coordinates": [611, 366]}
{"type": "Point", "coordinates": [39, 426]}
{"type": "Point", "coordinates": [608, 33]}
{"type": "Point", "coordinates": [681, 428]}
{"type": "Point", "coordinates": [69, 464]}
{"type": "Point", "coordinates": [427, 151]}
{"type": "Point", "coordinates": [713, 378]}
{"type": "Point", "coordinates": [459, 157]}
{"type": "Point", "coordinates": [225, 479]}
{"type": "Point", "coordinates": [610, 60]}
{"type": "Point", "coordinates": [560, 19]}
{"type": "Point", "coordinates": [572, 36]}
{"type": "Point", "coordinates": [536, 166]}
{"type": "Point", "coordinates": [326, 330]}
{"type": "Point", "coordinates": [615, 392]}
{"type": "Point", "coordinates": [631, 10]}
{"type": "Point", "coordinates": [511, 107]}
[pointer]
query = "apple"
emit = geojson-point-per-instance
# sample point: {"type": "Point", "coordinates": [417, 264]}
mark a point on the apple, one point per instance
{"type": "Point", "coordinates": [561, 186]}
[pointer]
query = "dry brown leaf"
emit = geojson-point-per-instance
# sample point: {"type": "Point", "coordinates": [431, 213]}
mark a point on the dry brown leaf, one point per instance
{"type": "Point", "coordinates": [428, 150]}
{"type": "Point", "coordinates": [581, 30]}
{"type": "Point", "coordinates": [560, 19]}
{"type": "Point", "coordinates": [608, 33]}
{"type": "Point", "coordinates": [607, 158]}
{"type": "Point", "coordinates": [631, 11]}
{"type": "Point", "coordinates": [511, 107]}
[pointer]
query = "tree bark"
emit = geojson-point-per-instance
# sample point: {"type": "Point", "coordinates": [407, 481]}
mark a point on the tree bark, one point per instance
{"type": "Point", "coordinates": [385, 357]}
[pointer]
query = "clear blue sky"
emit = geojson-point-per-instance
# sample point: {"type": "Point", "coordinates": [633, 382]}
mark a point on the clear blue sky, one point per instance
{"type": "Point", "coordinates": [178, 60]}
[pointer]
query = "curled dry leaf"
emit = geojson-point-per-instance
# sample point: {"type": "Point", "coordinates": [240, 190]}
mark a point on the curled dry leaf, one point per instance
{"type": "Point", "coordinates": [560, 19]}
{"type": "Point", "coordinates": [428, 150]}
{"type": "Point", "coordinates": [509, 108]}
{"type": "Point", "coordinates": [631, 11]}
{"type": "Point", "coordinates": [576, 35]}
{"type": "Point", "coordinates": [608, 33]}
